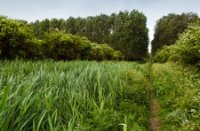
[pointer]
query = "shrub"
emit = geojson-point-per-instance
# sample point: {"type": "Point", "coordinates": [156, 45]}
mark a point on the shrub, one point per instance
{"type": "Point", "coordinates": [187, 47]}
{"type": "Point", "coordinates": [104, 52]}
{"type": "Point", "coordinates": [62, 46]}
{"type": "Point", "coordinates": [16, 39]}
{"type": "Point", "coordinates": [117, 55]}
{"type": "Point", "coordinates": [162, 55]}
{"type": "Point", "coordinates": [186, 50]}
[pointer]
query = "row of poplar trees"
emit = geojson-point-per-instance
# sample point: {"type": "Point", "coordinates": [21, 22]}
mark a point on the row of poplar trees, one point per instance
{"type": "Point", "coordinates": [124, 31]}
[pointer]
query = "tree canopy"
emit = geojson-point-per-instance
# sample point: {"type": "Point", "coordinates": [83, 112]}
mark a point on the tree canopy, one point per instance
{"type": "Point", "coordinates": [186, 49]}
{"type": "Point", "coordinates": [125, 31]}
{"type": "Point", "coordinates": [169, 27]}
{"type": "Point", "coordinates": [17, 40]}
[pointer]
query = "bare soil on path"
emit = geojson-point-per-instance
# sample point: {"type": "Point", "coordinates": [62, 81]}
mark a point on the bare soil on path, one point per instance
{"type": "Point", "coordinates": [154, 120]}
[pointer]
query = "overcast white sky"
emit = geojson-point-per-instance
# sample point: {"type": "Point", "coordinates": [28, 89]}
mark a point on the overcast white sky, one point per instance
{"type": "Point", "coordinates": [32, 10]}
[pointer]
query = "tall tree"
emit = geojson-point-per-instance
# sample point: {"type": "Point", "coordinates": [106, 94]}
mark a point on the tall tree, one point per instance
{"type": "Point", "coordinates": [125, 31]}
{"type": "Point", "coordinates": [169, 27]}
{"type": "Point", "coordinates": [130, 34]}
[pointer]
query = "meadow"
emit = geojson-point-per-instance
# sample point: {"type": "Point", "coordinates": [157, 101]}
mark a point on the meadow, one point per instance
{"type": "Point", "coordinates": [178, 91]}
{"type": "Point", "coordinates": [88, 95]}
{"type": "Point", "coordinates": [73, 96]}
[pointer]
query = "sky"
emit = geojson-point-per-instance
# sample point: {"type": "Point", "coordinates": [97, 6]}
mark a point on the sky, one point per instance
{"type": "Point", "coordinates": [32, 10]}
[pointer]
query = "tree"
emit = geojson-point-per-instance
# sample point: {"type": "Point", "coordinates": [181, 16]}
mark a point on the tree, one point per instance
{"type": "Point", "coordinates": [16, 39]}
{"type": "Point", "coordinates": [130, 35]}
{"type": "Point", "coordinates": [125, 31]}
{"type": "Point", "coordinates": [186, 49]}
{"type": "Point", "coordinates": [169, 27]}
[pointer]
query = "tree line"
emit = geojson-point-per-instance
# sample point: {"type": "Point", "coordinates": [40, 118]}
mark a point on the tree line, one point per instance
{"type": "Point", "coordinates": [177, 39]}
{"type": "Point", "coordinates": [168, 28]}
{"type": "Point", "coordinates": [122, 35]}
{"type": "Point", "coordinates": [124, 31]}
{"type": "Point", "coordinates": [17, 40]}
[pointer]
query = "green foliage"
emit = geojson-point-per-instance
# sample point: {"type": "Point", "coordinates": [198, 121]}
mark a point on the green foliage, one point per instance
{"type": "Point", "coordinates": [130, 35]}
{"type": "Point", "coordinates": [72, 96]}
{"type": "Point", "coordinates": [187, 47]}
{"type": "Point", "coordinates": [169, 27]}
{"type": "Point", "coordinates": [60, 46]}
{"type": "Point", "coordinates": [163, 55]}
{"type": "Point", "coordinates": [16, 39]}
{"type": "Point", "coordinates": [104, 52]}
{"type": "Point", "coordinates": [186, 50]}
{"type": "Point", "coordinates": [178, 91]}
{"type": "Point", "coordinates": [125, 31]}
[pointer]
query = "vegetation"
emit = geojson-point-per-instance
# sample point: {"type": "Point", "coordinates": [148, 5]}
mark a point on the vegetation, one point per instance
{"type": "Point", "coordinates": [47, 95]}
{"type": "Point", "coordinates": [125, 31]}
{"type": "Point", "coordinates": [169, 27]}
{"type": "Point", "coordinates": [186, 50]}
{"type": "Point", "coordinates": [77, 95]}
{"type": "Point", "coordinates": [178, 90]}
{"type": "Point", "coordinates": [44, 91]}
{"type": "Point", "coordinates": [177, 87]}
{"type": "Point", "coordinates": [18, 41]}
{"type": "Point", "coordinates": [60, 46]}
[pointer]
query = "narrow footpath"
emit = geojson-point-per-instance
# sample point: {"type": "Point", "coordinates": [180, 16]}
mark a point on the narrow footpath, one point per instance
{"type": "Point", "coordinates": [154, 120]}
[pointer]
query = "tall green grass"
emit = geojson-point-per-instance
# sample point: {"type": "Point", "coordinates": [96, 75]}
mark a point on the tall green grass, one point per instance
{"type": "Point", "coordinates": [178, 89]}
{"type": "Point", "coordinates": [76, 95]}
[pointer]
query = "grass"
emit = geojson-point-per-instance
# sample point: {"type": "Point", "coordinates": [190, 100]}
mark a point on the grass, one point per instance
{"type": "Point", "coordinates": [178, 89]}
{"type": "Point", "coordinates": [82, 95]}
{"type": "Point", "coordinates": [73, 96]}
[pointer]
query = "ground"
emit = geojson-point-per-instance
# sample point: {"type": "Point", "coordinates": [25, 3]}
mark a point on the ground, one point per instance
{"type": "Point", "coordinates": [154, 121]}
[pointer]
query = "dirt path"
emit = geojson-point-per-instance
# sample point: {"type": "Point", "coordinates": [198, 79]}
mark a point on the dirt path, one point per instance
{"type": "Point", "coordinates": [154, 121]}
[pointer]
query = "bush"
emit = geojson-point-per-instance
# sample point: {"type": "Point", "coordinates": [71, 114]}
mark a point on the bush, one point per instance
{"type": "Point", "coordinates": [162, 55]}
{"type": "Point", "coordinates": [118, 55]}
{"type": "Point", "coordinates": [16, 39]}
{"type": "Point", "coordinates": [169, 27]}
{"type": "Point", "coordinates": [187, 47]}
{"type": "Point", "coordinates": [186, 50]}
{"type": "Point", "coordinates": [104, 52]}
{"type": "Point", "coordinates": [60, 46]}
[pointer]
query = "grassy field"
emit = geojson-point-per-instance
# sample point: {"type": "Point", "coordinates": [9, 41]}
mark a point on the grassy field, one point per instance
{"type": "Point", "coordinates": [178, 90]}
{"type": "Point", "coordinates": [102, 96]}
{"type": "Point", "coordinates": [73, 96]}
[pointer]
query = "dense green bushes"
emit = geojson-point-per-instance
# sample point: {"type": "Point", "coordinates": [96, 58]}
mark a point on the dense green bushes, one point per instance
{"type": "Point", "coordinates": [17, 41]}
{"type": "Point", "coordinates": [163, 55]}
{"type": "Point", "coordinates": [169, 27]}
{"type": "Point", "coordinates": [60, 46]}
{"type": "Point", "coordinates": [186, 50]}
